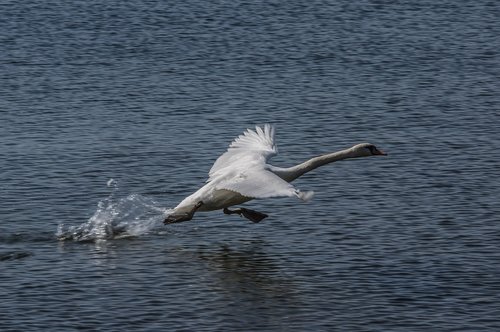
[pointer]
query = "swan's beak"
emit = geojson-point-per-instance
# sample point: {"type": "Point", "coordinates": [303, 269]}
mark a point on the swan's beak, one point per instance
{"type": "Point", "coordinates": [380, 153]}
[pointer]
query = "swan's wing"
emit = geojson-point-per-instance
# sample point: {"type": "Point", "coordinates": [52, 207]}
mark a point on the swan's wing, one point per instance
{"type": "Point", "coordinates": [252, 148]}
{"type": "Point", "coordinates": [255, 183]}
{"type": "Point", "coordinates": [242, 168]}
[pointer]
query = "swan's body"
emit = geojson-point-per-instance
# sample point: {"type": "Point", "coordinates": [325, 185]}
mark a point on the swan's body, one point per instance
{"type": "Point", "coordinates": [242, 174]}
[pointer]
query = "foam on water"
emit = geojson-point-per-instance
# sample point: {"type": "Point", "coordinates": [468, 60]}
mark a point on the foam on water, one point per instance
{"type": "Point", "coordinates": [132, 215]}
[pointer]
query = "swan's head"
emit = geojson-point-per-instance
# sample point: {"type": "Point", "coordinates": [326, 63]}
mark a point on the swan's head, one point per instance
{"type": "Point", "coordinates": [366, 150]}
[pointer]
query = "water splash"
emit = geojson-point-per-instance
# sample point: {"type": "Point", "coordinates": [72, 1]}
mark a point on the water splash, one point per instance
{"type": "Point", "coordinates": [128, 216]}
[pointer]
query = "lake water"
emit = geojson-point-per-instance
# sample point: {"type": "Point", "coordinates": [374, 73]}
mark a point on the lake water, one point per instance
{"type": "Point", "coordinates": [112, 112]}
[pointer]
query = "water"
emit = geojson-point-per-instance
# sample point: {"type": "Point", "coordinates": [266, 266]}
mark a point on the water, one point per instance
{"type": "Point", "coordinates": [113, 112]}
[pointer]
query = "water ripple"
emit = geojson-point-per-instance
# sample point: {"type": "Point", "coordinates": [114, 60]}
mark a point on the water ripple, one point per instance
{"type": "Point", "coordinates": [150, 93]}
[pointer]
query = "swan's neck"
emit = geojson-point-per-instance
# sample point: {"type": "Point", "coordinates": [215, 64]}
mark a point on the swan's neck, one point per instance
{"type": "Point", "coordinates": [291, 173]}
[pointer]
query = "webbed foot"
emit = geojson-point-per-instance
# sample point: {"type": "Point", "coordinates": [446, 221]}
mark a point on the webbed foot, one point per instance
{"type": "Point", "coordinates": [175, 218]}
{"type": "Point", "coordinates": [253, 216]}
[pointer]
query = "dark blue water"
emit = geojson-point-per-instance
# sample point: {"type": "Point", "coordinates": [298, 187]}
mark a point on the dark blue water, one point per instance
{"type": "Point", "coordinates": [112, 112]}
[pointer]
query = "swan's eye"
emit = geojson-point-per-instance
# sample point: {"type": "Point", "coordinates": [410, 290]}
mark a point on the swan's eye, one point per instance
{"type": "Point", "coordinates": [372, 149]}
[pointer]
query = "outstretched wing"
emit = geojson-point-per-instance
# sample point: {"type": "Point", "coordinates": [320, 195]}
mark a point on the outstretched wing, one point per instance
{"type": "Point", "coordinates": [243, 168]}
{"type": "Point", "coordinates": [251, 149]}
{"type": "Point", "coordinates": [260, 183]}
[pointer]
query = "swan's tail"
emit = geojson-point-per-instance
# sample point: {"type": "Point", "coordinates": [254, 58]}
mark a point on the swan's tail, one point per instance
{"type": "Point", "coordinates": [306, 196]}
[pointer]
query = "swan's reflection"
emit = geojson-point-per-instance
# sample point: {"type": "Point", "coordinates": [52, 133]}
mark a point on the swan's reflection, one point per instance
{"type": "Point", "coordinates": [248, 279]}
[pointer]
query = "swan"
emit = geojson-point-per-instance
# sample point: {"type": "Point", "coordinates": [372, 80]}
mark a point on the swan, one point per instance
{"type": "Point", "coordinates": [242, 174]}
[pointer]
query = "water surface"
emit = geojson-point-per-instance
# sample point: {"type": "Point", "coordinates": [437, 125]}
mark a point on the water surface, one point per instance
{"type": "Point", "coordinates": [113, 112]}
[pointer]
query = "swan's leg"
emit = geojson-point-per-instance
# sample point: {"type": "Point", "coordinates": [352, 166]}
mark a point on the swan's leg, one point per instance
{"type": "Point", "coordinates": [251, 215]}
{"type": "Point", "coordinates": [174, 218]}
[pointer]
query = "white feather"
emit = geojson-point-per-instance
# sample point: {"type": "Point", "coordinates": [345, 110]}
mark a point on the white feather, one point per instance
{"type": "Point", "coordinates": [251, 148]}
{"type": "Point", "coordinates": [257, 183]}
{"type": "Point", "coordinates": [243, 168]}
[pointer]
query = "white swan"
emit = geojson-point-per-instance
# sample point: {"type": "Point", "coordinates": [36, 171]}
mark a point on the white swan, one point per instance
{"type": "Point", "coordinates": [242, 174]}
